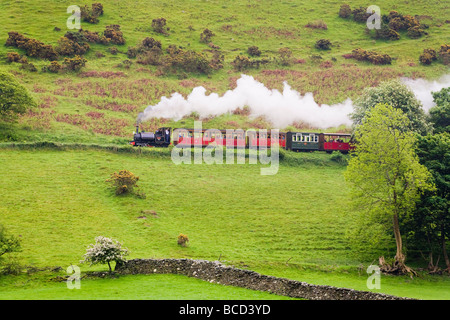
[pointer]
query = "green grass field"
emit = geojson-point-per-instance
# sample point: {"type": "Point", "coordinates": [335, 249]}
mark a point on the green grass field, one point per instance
{"type": "Point", "coordinates": [295, 224]}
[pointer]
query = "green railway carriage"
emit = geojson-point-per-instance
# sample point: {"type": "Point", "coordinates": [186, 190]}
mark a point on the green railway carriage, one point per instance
{"type": "Point", "coordinates": [302, 141]}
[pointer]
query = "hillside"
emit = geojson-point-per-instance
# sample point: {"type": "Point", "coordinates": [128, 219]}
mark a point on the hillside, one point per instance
{"type": "Point", "coordinates": [102, 101]}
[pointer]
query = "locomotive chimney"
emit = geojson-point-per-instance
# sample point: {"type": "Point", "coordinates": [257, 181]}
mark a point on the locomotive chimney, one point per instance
{"type": "Point", "coordinates": [137, 128]}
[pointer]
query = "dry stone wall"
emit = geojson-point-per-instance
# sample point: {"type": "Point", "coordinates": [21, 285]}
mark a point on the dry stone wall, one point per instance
{"type": "Point", "coordinates": [216, 272]}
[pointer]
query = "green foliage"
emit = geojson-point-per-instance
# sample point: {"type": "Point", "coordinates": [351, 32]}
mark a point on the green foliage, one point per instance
{"type": "Point", "coordinates": [384, 171]}
{"type": "Point", "coordinates": [73, 43]}
{"type": "Point", "coordinates": [54, 67]}
{"type": "Point", "coordinates": [428, 56]}
{"type": "Point", "coordinates": [8, 243]}
{"type": "Point", "coordinates": [285, 55]}
{"type": "Point", "coordinates": [91, 15]}
{"type": "Point", "coordinates": [440, 113]}
{"type": "Point", "coordinates": [113, 34]}
{"type": "Point", "coordinates": [14, 98]}
{"type": "Point", "coordinates": [397, 95]}
{"type": "Point", "coordinates": [427, 225]}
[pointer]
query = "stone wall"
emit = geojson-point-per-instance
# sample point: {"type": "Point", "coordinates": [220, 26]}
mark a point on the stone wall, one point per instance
{"type": "Point", "coordinates": [216, 272]}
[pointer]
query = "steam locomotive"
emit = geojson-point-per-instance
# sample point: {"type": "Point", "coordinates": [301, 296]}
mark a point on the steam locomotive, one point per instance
{"type": "Point", "coordinates": [294, 141]}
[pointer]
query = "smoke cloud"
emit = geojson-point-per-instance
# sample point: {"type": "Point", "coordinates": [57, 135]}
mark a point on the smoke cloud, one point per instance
{"type": "Point", "coordinates": [423, 89]}
{"type": "Point", "coordinates": [281, 108]}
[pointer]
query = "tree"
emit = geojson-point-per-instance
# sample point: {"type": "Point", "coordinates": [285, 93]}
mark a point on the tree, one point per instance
{"type": "Point", "coordinates": [105, 250]}
{"type": "Point", "coordinates": [385, 173]}
{"type": "Point", "coordinates": [440, 113]}
{"type": "Point", "coordinates": [397, 95]}
{"type": "Point", "coordinates": [14, 98]}
{"type": "Point", "coordinates": [429, 224]}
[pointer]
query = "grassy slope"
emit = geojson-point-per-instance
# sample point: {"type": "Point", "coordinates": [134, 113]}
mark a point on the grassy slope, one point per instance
{"type": "Point", "coordinates": [237, 25]}
{"type": "Point", "coordinates": [291, 225]}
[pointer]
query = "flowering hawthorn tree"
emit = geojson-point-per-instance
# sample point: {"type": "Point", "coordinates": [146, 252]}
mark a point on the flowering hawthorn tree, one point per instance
{"type": "Point", "coordinates": [105, 250]}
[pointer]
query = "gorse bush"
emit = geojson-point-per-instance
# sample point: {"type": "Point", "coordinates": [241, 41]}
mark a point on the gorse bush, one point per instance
{"type": "Point", "coordinates": [182, 240]}
{"type": "Point", "coordinates": [54, 67]}
{"type": "Point", "coordinates": [74, 64]}
{"type": "Point", "coordinates": [91, 15]}
{"type": "Point", "coordinates": [12, 57]}
{"type": "Point", "coordinates": [371, 56]}
{"type": "Point", "coordinates": [32, 47]}
{"type": "Point", "coordinates": [123, 181]}
{"type": "Point", "coordinates": [113, 34]}
{"type": "Point", "coordinates": [159, 25]}
{"type": "Point", "coordinates": [428, 56]}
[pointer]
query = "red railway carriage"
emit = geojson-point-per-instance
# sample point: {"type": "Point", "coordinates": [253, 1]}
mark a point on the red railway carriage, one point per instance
{"type": "Point", "coordinates": [257, 139]}
{"type": "Point", "coordinates": [330, 142]}
{"type": "Point", "coordinates": [205, 137]}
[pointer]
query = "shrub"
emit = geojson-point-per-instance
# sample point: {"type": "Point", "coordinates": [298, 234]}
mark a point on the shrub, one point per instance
{"type": "Point", "coordinates": [428, 56]}
{"type": "Point", "coordinates": [91, 15]}
{"type": "Point", "coordinates": [386, 33]}
{"type": "Point", "coordinates": [254, 51]}
{"type": "Point", "coordinates": [94, 37]}
{"type": "Point", "coordinates": [159, 25]}
{"type": "Point", "coordinates": [28, 66]}
{"type": "Point", "coordinates": [323, 44]}
{"type": "Point", "coordinates": [149, 43]}
{"type": "Point", "coordinates": [370, 56]}
{"type": "Point", "coordinates": [105, 250]}
{"type": "Point", "coordinates": [182, 240]}
{"type": "Point", "coordinates": [345, 11]}
{"type": "Point", "coordinates": [54, 67]}
{"type": "Point", "coordinates": [206, 36]}
{"type": "Point", "coordinates": [113, 34]}
{"type": "Point", "coordinates": [444, 54]}
{"type": "Point", "coordinates": [113, 50]}
{"type": "Point", "coordinates": [123, 181]}
{"type": "Point", "coordinates": [189, 61]}
{"type": "Point", "coordinates": [360, 14]}
{"type": "Point", "coordinates": [69, 47]}
{"type": "Point", "coordinates": [32, 47]}
{"type": "Point", "coordinates": [415, 32]}
{"type": "Point", "coordinates": [12, 57]}
{"type": "Point", "coordinates": [74, 64]}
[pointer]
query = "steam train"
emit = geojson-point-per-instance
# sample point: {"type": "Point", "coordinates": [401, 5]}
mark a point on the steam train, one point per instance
{"type": "Point", "coordinates": [294, 141]}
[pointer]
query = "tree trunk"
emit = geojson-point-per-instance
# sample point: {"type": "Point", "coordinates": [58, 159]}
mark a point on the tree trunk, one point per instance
{"type": "Point", "coordinates": [444, 250]}
{"type": "Point", "coordinates": [109, 265]}
{"type": "Point", "coordinates": [399, 256]}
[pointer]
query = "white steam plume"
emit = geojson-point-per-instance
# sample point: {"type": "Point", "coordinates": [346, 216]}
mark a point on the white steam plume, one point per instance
{"type": "Point", "coordinates": [280, 108]}
{"type": "Point", "coordinates": [423, 89]}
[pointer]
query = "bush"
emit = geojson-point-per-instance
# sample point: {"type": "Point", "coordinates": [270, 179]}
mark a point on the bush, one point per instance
{"type": "Point", "coordinates": [415, 32]}
{"type": "Point", "coordinates": [94, 37]}
{"type": "Point", "coordinates": [69, 47]}
{"type": "Point", "coordinates": [189, 61]}
{"type": "Point", "coordinates": [241, 63]}
{"type": "Point", "coordinates": [444, 54]}
{"type": "Point", "coordinates": [428, 56]}
{"type": "Point", "coordinates": [254, 51]}
{"type": "Point", "coordinates": [113, 34]}
{"type": "Point", "coordinates": [360, 14]}
{"type": "Point", "coordinates": [124, 181]}
{"type": "Point", "coordinates": [149, 43]}
{"type": "Point", "coordinates": [206, 36]}
{"type": "Point", "coordinates": [91, 15]}
{"type": "Point", "coordinates": [54, 67]}
{"type": "Point", "coordinates": [12, 57]}
{"type": "Point", "coordinates": [323, 44]}
{"type": "Point", "coordinates": [74, 64]}
{"type": "Point", "coordinates": [182, 240]}
{"type": "Point", "coordinates": [32, 47]}
{"type": "Point", "coordinates": [370, 56]}
{"type": "Point", "coordinates": [159, 25]}
{"type": "Point", "coordinates": [345, 11]}
{"type": "Point", "coordinates": [105, 250]}
{"type": "Point", "coordinates": [386, 33]}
